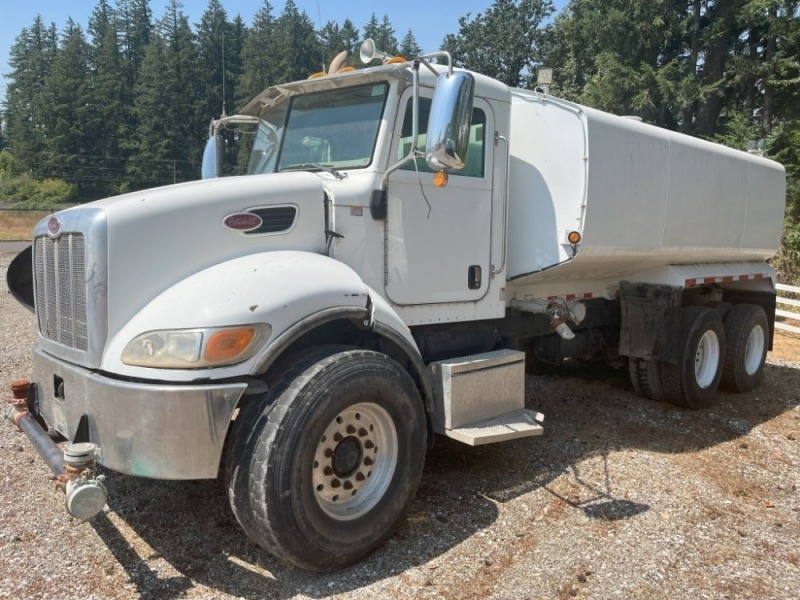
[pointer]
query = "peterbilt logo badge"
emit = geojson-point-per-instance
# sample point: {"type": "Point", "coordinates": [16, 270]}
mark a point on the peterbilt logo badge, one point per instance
{"type": "Point", "coordinates": [242, 221]}
{"type": "Point", "coordinates": [53, 226]}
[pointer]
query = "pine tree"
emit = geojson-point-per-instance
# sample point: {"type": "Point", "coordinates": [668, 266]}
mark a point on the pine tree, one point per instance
{"type": "Point", "coordinates": [501, 41]}
{"type": "Point", "coordinates": [67, 92]}
{"type": "Point", "coordinates": [258, 56]}
{"type": "Point", "coordinates": [134, 24]}
{"type": "Point", "coordinates": [334, 39]}
{"type": "Point", "coordinates": [181, 66]}
{"type": "Point", "coordinates": [211, 39]}
{"type": "Point", "coordinates": [148, 166]}
{"type": "Point", "coordinates": [106, 126]}
{"type": "Point", "coordinates": [258, 71]}
{"type": "Point", "coordinates": [349, 38]}
{"type": "Point", "coordinates": [386, 39]}
{"type": "Point", "coordinates": [372, 28]}
{"type": "Point", "coordinates": [234, 59]}
{"type": "Point", "coordinates": [409, 48]}
{"type": "Point", "coordinates": [27, 114]}
{"type": "Point", "coordinates": [169, 137]}
{"type": "Point", "coordinates": [330, 38]}
{"type": "Point", "coordinates": [297, 49]}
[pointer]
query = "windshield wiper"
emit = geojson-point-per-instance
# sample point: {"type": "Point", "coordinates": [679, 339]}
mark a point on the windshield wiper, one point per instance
{"type": "Point", "coordinates": [312, 165]}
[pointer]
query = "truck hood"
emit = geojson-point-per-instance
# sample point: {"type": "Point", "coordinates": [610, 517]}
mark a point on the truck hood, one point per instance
{"type": "Point", "coordinates": [160, 236]}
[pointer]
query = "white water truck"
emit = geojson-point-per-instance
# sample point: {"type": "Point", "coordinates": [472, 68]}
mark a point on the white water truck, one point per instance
{"type": "Point", "coordinates": [408, 238]}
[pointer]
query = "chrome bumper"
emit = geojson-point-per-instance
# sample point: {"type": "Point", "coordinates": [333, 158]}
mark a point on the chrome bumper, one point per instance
{"type": "Point", "coordinates": [147, 430]}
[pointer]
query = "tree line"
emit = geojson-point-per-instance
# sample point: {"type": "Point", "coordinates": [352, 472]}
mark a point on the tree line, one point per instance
{"type": "Point", "coordinates": [126, 103]}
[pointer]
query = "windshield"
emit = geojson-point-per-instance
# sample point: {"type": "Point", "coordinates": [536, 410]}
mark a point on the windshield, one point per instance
{"type": "Point", "coordinates": [334, 128]}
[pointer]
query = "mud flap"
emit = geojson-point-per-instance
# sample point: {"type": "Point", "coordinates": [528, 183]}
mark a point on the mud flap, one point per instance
{"type": "Point", "coordinates": [649, 321]}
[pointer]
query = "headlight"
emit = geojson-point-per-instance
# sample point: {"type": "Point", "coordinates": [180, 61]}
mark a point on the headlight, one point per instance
{"type": "Point", "coordinates": [195, 348]}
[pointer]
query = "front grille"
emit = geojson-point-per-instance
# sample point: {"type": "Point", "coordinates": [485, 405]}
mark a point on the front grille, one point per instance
{"type": "Point", "coordinates": [60, 271]}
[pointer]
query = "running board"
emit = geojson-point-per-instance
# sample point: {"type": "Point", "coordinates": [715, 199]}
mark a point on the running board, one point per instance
{"type": "Point", "coordinates": [510, 426]}
{"type": "Point", "coordinates": [480, 398]}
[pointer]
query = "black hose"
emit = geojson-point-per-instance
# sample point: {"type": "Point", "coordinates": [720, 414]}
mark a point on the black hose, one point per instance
{"type": "Point", "coordinates": [45, 446]}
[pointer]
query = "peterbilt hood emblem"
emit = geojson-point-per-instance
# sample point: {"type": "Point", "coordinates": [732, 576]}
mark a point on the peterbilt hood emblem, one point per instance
{"type": "Point", "coordinates": [53, 226]}
{"type": "Point", "coordinates": [242, 221]}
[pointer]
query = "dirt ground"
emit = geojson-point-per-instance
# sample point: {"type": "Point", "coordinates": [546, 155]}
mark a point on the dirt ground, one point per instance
{"type": "Point", "coordinates": [620, 498]}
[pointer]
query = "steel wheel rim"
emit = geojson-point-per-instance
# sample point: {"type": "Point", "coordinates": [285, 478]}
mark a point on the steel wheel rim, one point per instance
{"type": "Point", "coordinates": [706, 359]}
{"type": "Point", "coordinates": [355, 461]}
{"type": "Point", "coordinates": [754, 349]}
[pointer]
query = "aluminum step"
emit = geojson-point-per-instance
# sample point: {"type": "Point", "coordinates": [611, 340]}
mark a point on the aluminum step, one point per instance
{"type": "Point", "coordinates": [509, 426]}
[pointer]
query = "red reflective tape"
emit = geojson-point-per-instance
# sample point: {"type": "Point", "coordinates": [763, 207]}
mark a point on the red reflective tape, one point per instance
{"type": "Point", "coordinates": [728, 279]}
{"type": "Point", "coordinates": [691, 282]}
{"type": "Point", "coordinates": [758, 276]}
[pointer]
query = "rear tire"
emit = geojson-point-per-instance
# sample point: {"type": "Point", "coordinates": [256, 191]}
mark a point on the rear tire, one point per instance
{"type": "Point", "coordinates": [694, 380]}
{"type": "Point", "coordinates": [325, 468]}
{"type": "Point", "coordinates": [747, 335]}
{"type": "Point", "coordinates": [646, 378]}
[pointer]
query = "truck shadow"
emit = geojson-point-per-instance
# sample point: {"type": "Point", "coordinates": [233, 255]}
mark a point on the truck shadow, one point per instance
{"type": "Point", "coordinates": [172, 536]}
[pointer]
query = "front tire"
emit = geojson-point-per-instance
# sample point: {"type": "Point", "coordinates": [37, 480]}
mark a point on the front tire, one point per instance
{"type": "Point", "coordinates": [325, 468]}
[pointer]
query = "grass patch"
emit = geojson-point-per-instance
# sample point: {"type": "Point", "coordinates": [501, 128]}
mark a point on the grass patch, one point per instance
{"type": "Point", "coordinates": [18, 224]}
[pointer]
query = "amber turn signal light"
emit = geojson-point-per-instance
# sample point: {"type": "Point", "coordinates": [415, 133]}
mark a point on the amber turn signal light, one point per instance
{"type": "Point", "coordinates": [228, 343]}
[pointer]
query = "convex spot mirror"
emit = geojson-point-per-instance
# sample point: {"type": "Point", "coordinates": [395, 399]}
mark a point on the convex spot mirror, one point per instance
{"type": "Point", "coordinates": [212, 158]}
{"type": "Point", "coordinates": [448, 124]}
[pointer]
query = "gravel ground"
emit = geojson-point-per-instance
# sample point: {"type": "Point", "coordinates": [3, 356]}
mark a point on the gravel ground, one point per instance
{"type": "Point", "coordinates": [621, 498]}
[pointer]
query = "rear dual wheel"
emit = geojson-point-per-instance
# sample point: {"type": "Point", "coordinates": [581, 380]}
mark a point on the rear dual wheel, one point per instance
{"type": "Point", "coordinates": [646, 378]}
{"type": "Point", "coordinates": [693, 380]}
{"type": "Point", "coordinates": [747, 335]}
{"type": "Point", "coordinates": [713, 354]}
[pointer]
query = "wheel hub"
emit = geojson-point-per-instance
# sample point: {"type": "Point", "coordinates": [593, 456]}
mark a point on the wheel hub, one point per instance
{"type": "Point", "coordinates": [354, 461]}
{"type": "Point", "coordinates": [706, 359]}
{"type": "Point", "coordinates": [347, 456]}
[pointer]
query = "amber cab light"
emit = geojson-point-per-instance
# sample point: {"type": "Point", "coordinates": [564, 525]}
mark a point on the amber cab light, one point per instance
{"type": "Point", "coordinates": [440, 179]}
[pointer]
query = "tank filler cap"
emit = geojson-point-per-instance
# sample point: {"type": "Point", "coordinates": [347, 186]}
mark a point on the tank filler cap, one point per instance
{"type": "Point", "coordinates": [86, 498]}
{"type": "Point", "coordinates": [80, 454]}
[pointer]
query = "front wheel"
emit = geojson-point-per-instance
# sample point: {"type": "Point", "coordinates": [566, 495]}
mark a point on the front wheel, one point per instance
{"type": "Point", "coordinates": [325, 468]}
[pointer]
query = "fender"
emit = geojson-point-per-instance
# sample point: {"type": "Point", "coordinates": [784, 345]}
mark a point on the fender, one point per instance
{"type": "Point", "coordinates": [377, 315]}
{"type": "Point", "coordinates": [289, 290]}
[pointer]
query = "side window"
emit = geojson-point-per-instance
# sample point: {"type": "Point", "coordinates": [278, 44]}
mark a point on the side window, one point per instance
{"type": "Point", "coordinates": [477, 140]}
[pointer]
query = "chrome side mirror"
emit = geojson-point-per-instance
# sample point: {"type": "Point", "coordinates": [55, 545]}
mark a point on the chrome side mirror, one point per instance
{"type": "Point", "coordinates": [212, 158]}
{"type": "Point", "coordinates": [448, 124]}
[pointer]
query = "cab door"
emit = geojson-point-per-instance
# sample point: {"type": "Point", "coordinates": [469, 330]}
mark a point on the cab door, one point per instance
{"type": "Point", "coordinates": [439, 238]}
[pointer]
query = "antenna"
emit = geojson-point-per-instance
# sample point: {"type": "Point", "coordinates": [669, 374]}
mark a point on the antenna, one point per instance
{"type": "Point", "coordinates": [321, 45]}
{"type": "Point", "coordinates": [223, 73]}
